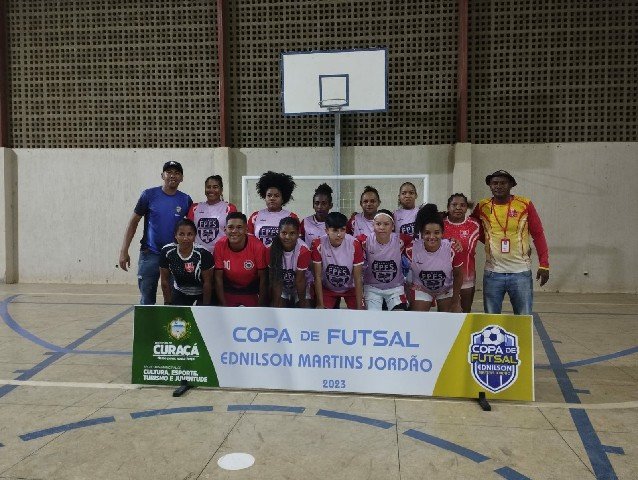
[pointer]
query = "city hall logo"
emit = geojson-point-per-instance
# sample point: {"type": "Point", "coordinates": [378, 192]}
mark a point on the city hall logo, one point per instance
{"type": "Point", "coordinates": [493, 355]}
{"type": "Point", "coordinates": [179, 329]}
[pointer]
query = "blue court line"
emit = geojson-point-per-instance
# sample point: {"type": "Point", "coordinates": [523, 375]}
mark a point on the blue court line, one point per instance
{"type": "Point", "coordinates": [65, 428]}
{"type": "Point", "coordinates": [564, 382]}
{"type": "Point", "coordinates": [5, 389]}
{"type": "Point", "coordinates": [16, 327]}
{"type": "Point", "coordinates": [508, 474]}
{"type": "Point", "coordinates": [596, 451]}
{"type": "Point", "coordinates": [601, 358]}
{"type": "Point", "coordinates": [446, 445]}
{"type": "Point", "coordinates": [170, 411]}
{"type": "Point", "coordinates": [354, 418]}
{"type": "Point", "coordinates": [265, 408]}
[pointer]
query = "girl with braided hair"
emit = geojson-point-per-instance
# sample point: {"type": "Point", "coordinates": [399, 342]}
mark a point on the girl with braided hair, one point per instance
{"type": "Point", "coordinates": [289, 261]}
{"type": "Point", "coordinates": [314, 226]}
{"type": "Point", "coordinates": [276, 189]}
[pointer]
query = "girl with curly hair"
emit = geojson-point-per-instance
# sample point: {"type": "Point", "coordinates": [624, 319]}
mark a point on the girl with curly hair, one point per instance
{"type": "Point", "coordinates": [276, 190]}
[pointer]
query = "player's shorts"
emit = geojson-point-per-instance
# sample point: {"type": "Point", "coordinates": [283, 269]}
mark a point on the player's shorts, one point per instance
{"type": "Point", "coordinates": [330, 298]}
{"type": "Point", "coordinates": [237, 300]}
{"type": "Point", "coordinates": [374, 297]}
{"type": "Point", "coordinates": [430, 297]}
{"type": "Point", "coordinates": [467, 284]}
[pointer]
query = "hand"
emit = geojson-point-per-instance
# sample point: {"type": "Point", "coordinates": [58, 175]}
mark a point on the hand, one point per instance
{"type": "Point", "coordinates": [125, 261]}
{"type": "Point", "coordinates": [543, 275]}
{"type": "Point", "coordinates": [456, 306]}
{"type": "Point", "coordinates": [456, 245]}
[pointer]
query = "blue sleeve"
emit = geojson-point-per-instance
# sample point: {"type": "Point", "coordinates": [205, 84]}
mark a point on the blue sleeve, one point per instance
{"type": "Point", "coordinates": [141, 208]}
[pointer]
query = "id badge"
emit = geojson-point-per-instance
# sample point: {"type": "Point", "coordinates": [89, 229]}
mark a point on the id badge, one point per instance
{"type": "Point", "coordinates": [505, 245]}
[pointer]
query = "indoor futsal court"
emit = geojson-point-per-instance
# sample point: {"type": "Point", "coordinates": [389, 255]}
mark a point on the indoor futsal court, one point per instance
{"type": "Point", "coordinates": [68, 410]}
{"type": "Point", "coordinates": [227, 149]}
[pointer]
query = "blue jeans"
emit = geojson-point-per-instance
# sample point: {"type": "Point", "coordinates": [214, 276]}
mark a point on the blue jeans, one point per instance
{"type": "Point", "coordinates": [148, 276]}
{"type": "Point", "coordinates": [519, 287]}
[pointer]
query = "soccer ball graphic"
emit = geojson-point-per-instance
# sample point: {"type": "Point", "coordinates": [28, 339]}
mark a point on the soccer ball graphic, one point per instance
{"type": "Point", "coordinates": [493, 335]}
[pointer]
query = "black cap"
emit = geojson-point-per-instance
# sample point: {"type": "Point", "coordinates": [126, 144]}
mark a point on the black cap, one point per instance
{"type": "Point", "coordinates": [500, 173]}
{"type": "Point", "coordinates": [173, 164]}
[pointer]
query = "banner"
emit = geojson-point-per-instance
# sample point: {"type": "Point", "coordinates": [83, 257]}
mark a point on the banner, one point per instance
{"type": "Point", "coordinates": [405, 353]}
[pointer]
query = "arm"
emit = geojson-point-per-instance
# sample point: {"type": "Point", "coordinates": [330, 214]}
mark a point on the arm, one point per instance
{"type": "Point", "coordinates": [263, 287]}
{"type": "Point", "coordinates": [316, 266]}
{"type": "Point", "coordinates": [207, 280]}
{"type": "Point", "coordinates": [476, 215]}
{"type": "Point", "coordinates": [166, 287]}
{"type": "Point", "coordinates": [538, 235]}
{"type": "Point", "coordinates": [277, 301]}
{"type": "Point", "coordinates": [125, 259]}
{"type": "Point", "coordinates": [457, 272]}
{"type": "Point", "coordinates": [219, 287]}
{"type": "Point", "coordinates": [300, 283]}
{"type": "Point", "coordinates": [357, 271]}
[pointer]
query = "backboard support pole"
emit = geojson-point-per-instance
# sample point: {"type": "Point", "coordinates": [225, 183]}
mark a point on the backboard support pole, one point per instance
{"type": "Point", "coordinates": [337, 159]}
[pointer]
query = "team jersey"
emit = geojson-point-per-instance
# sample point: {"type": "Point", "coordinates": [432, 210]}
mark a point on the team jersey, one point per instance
{"type": "Point", "coordinates": [467, 233]}
{"type": "Point", "coordinates": [298, 259]}
{"type": "Point", "coordinates": [265, 225]}
{"type": "Point", "coordinates": [240, 268]}
{"type": "Point", "coordinates": [210, 221]}
{"type": "Point", "coordinates": [161, 213]}
{"type": "Point", "coordinates": [514, 221]}
{"type": "Point", "coordinates": [187, 272]}
{"type": "Point", "coordinates": [432, 272]}
{"type": "Point", "coordinates": [383, 261]}
{"type": "Point", "coordinates": [360, 225]}
{"type": "Point", "coordinates": [337, 263]}
{"type": "Point", "coordinates": [404, 220]}
{"type": "Point", "coordinates": [311, 229]}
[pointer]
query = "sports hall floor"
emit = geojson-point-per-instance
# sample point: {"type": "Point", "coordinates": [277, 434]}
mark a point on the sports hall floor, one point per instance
{"type": "Point", "coordinates": [67, 410]}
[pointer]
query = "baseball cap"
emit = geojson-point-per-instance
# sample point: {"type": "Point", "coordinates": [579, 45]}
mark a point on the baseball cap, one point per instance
{"type": "Point", "coordinates": [173, 164]}
{"type": "Point", "coordinates": [500, 173]}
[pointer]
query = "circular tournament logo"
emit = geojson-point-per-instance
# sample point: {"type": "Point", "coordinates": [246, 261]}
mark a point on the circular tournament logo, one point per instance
{"type": "Point", "coordinates": [178, 328]}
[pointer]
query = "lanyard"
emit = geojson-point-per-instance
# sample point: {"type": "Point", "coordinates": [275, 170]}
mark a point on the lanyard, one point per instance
{"type": "Point", "coordinates": [507, 216]}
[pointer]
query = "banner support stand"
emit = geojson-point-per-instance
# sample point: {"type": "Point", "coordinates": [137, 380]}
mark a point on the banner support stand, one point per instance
{"type": "Point", "coordinates": [484, 404]}
{"type": "Point", "coordinates": [182, 389]}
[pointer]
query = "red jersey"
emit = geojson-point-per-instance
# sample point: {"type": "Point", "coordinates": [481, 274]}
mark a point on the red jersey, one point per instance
{"type": "Point", "coordinates": [467, 233]}
{"type": "Point", "coordinates": [240, 268]}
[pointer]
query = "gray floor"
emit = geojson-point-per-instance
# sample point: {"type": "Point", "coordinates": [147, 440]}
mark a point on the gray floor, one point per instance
{"type": "Point", "coordinates": [75, 415]}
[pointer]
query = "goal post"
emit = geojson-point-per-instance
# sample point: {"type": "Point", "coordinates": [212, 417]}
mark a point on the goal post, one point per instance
{"type": "Point", "coordinates": [350, 189]}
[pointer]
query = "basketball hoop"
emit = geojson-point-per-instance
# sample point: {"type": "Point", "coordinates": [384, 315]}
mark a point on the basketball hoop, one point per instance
{"type": "Point", "coordinates": [333, 104]}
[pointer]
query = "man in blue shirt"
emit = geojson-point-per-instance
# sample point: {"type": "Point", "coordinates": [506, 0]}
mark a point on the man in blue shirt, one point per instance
{"type": "Point", "coordinates": [161, 207]}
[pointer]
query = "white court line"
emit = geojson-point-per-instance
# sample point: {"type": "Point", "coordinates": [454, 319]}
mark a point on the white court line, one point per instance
{"type": "Point", "coordinates": [36, 383]}
{"type": "Point", "coordinates": [503, 403]}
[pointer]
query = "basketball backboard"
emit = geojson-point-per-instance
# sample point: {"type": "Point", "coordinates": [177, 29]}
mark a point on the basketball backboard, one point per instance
{"type": "Point", "coordinates": [339, 80]}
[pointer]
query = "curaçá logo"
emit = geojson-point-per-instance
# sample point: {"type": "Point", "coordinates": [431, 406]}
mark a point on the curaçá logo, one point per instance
{"type": "Point", "coordinates": [179, 329]}
{"type": "Point", "coordinates": [494, 358]}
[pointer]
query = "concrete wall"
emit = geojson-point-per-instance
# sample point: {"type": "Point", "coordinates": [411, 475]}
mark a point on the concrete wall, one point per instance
{"type": "Point", "coordinates": [74, 206]}
{"type": "Point", "coordinates": [66, 210]}
{"type": "Point", "coordinates": [585, 194]}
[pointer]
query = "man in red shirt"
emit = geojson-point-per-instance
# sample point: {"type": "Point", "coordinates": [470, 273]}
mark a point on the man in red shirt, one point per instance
{"type": "Point", "coordinates": [240, 266]}
{"type": "Point", "coordinates": [507, 223]}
